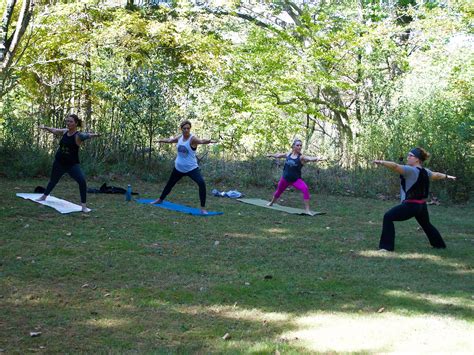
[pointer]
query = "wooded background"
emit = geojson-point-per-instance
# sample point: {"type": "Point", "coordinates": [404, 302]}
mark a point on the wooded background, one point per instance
{"type": "Point", "coordinates": [356, 80]}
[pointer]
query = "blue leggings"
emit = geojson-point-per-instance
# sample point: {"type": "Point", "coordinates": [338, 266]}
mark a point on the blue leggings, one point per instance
{"type": "Point", "coordinates": [193, 174]}
{"type": "Point", "coordinates": [403, 212]}
{"type": "Point", "coordinates": [74, 171]}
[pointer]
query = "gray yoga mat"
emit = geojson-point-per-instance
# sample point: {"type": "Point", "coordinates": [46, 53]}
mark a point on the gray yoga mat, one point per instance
{"type": "Point", "coordinates": [263, 203]}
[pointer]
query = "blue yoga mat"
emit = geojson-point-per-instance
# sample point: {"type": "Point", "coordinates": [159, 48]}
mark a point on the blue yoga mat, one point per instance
{"type": "Point", "coordinates": [180, 208]}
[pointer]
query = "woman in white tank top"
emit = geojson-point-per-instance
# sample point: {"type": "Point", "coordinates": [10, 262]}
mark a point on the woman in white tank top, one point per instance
{"type": "Point", "coordinates": [186, 163]}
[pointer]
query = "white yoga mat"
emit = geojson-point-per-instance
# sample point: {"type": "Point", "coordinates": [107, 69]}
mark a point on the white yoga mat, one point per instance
{"type": "Point", "coordinates": [59, 205]}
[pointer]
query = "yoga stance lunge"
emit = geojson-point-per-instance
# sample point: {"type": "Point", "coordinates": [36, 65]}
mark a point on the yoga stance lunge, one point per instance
{"type": "Point", "coordinates": [292, 172]}
{"type": "Point", "coordinates": [67, 157]}
{"type": "Point", "coordinates": [186, 163]}
{"type": "Point", "coordinates": [414, 189]}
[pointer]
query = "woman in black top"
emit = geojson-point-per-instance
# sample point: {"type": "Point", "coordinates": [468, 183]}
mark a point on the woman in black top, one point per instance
{"type": "Point", "coordinates": [414, 189]}
{"type": "Point", "coordinates": [292, 173]}
{"type": "Point", "coordinates": [67, 157]}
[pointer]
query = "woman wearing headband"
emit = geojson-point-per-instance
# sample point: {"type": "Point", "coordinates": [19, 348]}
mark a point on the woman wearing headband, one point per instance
{"type": "Point", "coordinates": [186, 163]}
{"type": "Point", "coordinates": [292, 173]}
{"type": "Point", "coordinates": [415, 182]}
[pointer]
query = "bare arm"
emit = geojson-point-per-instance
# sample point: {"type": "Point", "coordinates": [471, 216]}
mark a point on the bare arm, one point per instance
{"type": "Point", "coordinates": [441, 176]}
{"type": "Point", "coordinates": [83, 136]}
{"type": "Point", "coordinates": [195, 141]}
{"type": "Point", "coordinates": [277, 155]}
{"type": "Point", "coordinates": [306, 159]}
{"type": "Point", "coordinates": [390, 165]}
{"type": "Point", "coordinates": [168, 140]}
{"type": "Point", "coordinates": [55, 131]}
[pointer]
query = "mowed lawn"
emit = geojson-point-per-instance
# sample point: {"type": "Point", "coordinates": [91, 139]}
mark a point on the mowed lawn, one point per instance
{"type": "Point", "coordinates": [136, 278]}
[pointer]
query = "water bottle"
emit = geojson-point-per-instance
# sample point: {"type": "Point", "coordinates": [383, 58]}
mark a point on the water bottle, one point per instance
{"type": "Point", "coordinates": [128, 194]}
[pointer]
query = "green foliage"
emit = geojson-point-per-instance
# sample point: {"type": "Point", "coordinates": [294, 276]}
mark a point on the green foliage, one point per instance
{"type": "Point", "coordinates": [355, 80]}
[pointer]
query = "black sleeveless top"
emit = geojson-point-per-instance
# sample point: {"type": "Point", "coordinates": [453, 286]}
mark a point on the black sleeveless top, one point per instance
{"type": "Point", "coordinates": [420, 189]}
{"type": "Point", "coordinates": [68, 152]}
{"type": "Point", "coordinates": [292, 169]}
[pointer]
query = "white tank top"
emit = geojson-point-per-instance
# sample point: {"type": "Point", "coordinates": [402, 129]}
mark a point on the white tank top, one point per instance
{"type": "Point", "coordinates": [186, 158]}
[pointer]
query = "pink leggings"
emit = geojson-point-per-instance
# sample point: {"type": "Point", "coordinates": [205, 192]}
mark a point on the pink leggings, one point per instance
{"type": "Point", "coordinates": [298, 184]}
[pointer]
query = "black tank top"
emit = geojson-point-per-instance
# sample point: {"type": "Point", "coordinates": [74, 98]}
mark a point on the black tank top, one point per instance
{"type": "Point", "coordinates": [68, 152]}
{"type": "Point", "coordinates": [292, 169]}
{"type": "Point", "coordinates": [420, 189]}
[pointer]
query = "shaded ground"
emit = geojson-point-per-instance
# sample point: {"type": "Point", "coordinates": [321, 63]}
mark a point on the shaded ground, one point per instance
{"type": "Point", "coordinates": [131, 277]}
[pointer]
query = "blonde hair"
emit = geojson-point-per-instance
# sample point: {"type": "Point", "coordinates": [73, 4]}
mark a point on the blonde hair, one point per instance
{"type": "Point", "coordinates": [296, 141]}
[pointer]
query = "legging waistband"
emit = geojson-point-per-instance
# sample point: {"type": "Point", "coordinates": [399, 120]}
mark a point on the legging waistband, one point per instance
{"type": "Point", "coordinates": [420, 202]}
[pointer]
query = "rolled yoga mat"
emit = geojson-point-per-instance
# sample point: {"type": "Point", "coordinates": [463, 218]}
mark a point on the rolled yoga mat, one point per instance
{"type": "Point", "coordinates": [262, 203]}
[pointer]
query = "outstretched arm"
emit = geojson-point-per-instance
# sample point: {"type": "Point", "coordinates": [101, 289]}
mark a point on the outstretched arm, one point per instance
{"type": "Point", "coordinates": [441, 176]}
{"type": "Point", "coordinates": [168, 140]}
{"type": "Point", "coordinates": [195, 141]}
{"type": "Point", "coordinates": [306, 159]}
{"type": "Point", "coordinates": [390, 165]}
{"type": "Point", "coordinates": [83, 136]}
{"type": "Point", "coordinates": [277, 155]}
{"type": "Point", "coordinates": [55, 131]}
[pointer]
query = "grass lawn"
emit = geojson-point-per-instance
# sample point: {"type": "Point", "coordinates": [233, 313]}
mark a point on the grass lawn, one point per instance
{"type": "Point", "coordinates": [136, 278]}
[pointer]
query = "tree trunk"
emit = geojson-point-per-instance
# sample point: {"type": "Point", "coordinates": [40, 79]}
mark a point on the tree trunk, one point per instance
{"type": "Point", "coordinates": [9, 45]}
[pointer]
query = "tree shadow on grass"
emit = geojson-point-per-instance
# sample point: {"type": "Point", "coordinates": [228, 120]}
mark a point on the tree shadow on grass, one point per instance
{"type": "Point", "coordinates": [158, 281]}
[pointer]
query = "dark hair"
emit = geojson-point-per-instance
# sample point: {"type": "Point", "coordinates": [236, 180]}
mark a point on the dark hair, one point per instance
{"type": "Point", "coordinates": [184, 123]}
{"type": "Point", "coordinates": [420, 153]}
{"type": "Point", "coordinates": [76, 119]}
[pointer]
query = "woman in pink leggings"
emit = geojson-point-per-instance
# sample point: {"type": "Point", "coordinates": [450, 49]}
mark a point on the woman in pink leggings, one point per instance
{"type": "Point", "coordinates": [292, 172]}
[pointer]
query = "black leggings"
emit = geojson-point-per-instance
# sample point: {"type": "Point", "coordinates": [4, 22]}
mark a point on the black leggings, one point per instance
{"type": "Point", "coordinates": [403, 212]}
{"type": "Point", "coordinates": [193, 174]}
{"type": "Point", "coordinates": [74, 171]}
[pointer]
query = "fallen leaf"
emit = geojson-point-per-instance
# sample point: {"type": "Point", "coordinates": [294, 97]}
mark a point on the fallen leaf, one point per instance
{"type": "Point", "coordinates": [68, 234]}
{"type": "Point", "coordinates": [226, 336]}
{"type": "Point", "coordinates": [35, 334]}
{"type": "Point", "coordinates": [381, 310]}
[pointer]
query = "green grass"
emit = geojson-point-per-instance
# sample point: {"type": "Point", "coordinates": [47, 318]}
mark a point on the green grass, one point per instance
{"type": "Point", "coordinates": [135, 278]}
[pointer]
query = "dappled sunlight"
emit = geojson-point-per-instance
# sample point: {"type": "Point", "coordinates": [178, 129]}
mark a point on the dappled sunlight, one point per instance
{"type": "Point", "coordinates": [433, 299]}
{"type": "Point", "coordinates": [235, 312]}
{"type": "Point", "coordinates": [436, 259]}
{"type": "Point", "coordinates": [258, 235]}
{"type": "Point", "coordinates": [382, 332]}
{"type": "Point", "coordinates": [108, 322]}
{"type": "Point", "coordinates": [276, 230]}
{"type": "Point", "coordinates": [346, 332]}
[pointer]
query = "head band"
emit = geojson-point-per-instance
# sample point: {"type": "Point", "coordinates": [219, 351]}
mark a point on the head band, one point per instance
{"type": "Point", "coordinates": [417, 153]}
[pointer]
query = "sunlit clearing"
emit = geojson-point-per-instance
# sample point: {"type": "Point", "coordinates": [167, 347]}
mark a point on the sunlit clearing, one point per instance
{"type": "Point", "coordinates": [382, 333]}
{"type": "Point", "coordinates": [434, 299]}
